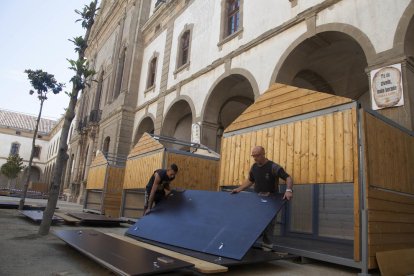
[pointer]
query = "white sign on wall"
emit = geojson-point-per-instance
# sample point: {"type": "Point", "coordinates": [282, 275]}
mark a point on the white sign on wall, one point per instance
{"type": "Point", "coordinates": [195, 133]}
{"type": "Point", "coordinates": [386, 87]}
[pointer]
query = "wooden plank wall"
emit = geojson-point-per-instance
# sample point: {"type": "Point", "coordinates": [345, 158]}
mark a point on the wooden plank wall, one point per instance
{"type": "Point", "coordinates": [194, 172]}
{"type": "Point", "coordinates": [113, 191]}
{"type": "Point", "coordinates": [96, 177]}
{"type": "Point", "coordinates": [390, 222]}
{"type": "Point", "coordinates": [389, 164]}
{"type": "Point", "coordinates": [146, 144]}
{"type": "Point", "coordinates": [39, 187]}
{"type": "Point", "coordinates": [313, 151]}
{"type": "Point", "coordinates": [139, 169]}
{"type": "Point", "coordinates": [390, 156]}
{"type": "Point", "coordinates": [283, 101]}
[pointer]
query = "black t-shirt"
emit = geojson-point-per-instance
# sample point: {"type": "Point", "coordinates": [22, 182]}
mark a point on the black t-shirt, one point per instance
{"type": "Point", "coordinates": [266, 177]}
{"type": "Point", "coordinates": [164, 183]}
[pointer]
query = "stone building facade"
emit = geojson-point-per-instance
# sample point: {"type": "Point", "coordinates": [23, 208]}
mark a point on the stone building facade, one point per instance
{"type": "Point", "coordinates": [188, 68]}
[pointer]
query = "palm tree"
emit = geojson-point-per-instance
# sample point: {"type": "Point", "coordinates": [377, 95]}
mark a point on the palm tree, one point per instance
{"type": "Point", "coordinates": [43, 83]}
{"type": "Point", "coordinates": [79, 82]}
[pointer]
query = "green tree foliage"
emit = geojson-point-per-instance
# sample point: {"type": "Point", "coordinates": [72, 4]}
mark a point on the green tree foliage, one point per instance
{"type": "Point", "coordinates": [12, 167]}
{"type": "Point", "coordinates": [43, 83]}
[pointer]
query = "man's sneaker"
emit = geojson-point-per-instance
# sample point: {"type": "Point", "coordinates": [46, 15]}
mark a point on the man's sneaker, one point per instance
{"type": "Point", "coordinates": [267, 247]}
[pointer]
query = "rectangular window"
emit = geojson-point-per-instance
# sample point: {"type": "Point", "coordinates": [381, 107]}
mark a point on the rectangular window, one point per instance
{"type": "Point", "coordinates": [185, 44]}
{"type": "Point", "coordinates": [36, 152]}
{"type": "Point", "coordinates": [151, 72]}
{"type": "Point", "coordinates": [233, 16]}
{"type": "Point", "coordinates": [14, 148]}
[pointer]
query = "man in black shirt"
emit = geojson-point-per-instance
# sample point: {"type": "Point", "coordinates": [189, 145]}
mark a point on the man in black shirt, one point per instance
{"type": "Point", "coordinates": [265, 175]}
{"type": "Point", "coordinates": [158, 186]}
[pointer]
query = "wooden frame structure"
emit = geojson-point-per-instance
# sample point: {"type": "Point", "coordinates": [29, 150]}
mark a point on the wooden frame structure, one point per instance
{"type": "Point", "coordinates": [328, 144]}
{"type": "Point", "coordinates": [198, 169]}
{"type": "Point", "coordinates": [104, 185]}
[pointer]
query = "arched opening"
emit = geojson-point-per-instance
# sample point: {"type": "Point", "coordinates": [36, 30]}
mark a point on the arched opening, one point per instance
{"type": "Point", "coordinates": [228, 99]}
{"type": "Point", "coordinates": [331, 62]}
{"type": "Point", "coordinates": [146, 125]}
{"type": "Point", "coordinates": [177, 123]}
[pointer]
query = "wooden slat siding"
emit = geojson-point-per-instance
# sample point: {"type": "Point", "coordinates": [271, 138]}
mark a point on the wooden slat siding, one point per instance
{"type": "Point", "coordinates": [390, 156]}
{"type": "Point", "coordinates": [139, 170]}
{"type": "Point", "coordinates": [321, 149]}
{"type": "Point", "coordinates": [222, 164]}
{"type": "Point", "coordinates": [339, 146]}
{"type": "Point", "coordinates": [99, 160]}
{"type": "Point", "coordinates": [247, 156]}
{"type": "Point", "coordinates": [390, 222]}
{"type": "Point", "coordinates": [146, 144]}
{"type": "Point", "coordinates": [113, 191]}
{"type": "Point", "coordinates": [330, 150]}
{"type": "Point", "coordinates": [272, 137]}
{"type": "Point", "coordinates": [348, 146]}
{"type": "Point", "coordinates": [290, 150]}
{"type": "Point", "coordinates": [283, 147]}
{"type": "Point", "coordinates": [304, 157]}
{"type": "Point", "coordinates": [282, 102]}
{"type": "Point", "coordinates": [297, 151]}
{"type": "Point", "coordinates": [237, 163]}
{"type": "Point", "coordinates": [96, 177]}
{"type": "Point", "coordinates": [357, 229]}
{"type": "Point", "coordinates": [312, 150]}
{"type": "Point", "coordinates": [231, 160]}
{"type": "Point", "coordinates": [242, 157]}
{"type": "Point", "coordinates": [194, 172]}
{"type": "Point", "coordinates": [253, 143]}
{"type": "Point", "coordinates": [226, 160]}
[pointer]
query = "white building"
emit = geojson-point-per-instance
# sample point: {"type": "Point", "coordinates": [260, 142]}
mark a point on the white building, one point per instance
{"type": "Point", "coordinates": [16, 136]}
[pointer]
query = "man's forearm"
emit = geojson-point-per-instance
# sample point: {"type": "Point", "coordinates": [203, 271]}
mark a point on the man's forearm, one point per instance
{"type": "Point", "coordinates": [289, 183]}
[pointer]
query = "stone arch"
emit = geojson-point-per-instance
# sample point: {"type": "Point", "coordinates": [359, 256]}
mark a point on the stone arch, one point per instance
{"type": "Point", "coordinates": [145, 125]}
{"type": "Point", "coordinates": [334, 61]}
{"type": "Point", "coordinates": [229, 96]}
{"type": "Point", "coordinates": [351, 31]}
{"type": "Point", "coordinates": [403, 33]}
{"type": "Point", "coordinates": [178, 120]}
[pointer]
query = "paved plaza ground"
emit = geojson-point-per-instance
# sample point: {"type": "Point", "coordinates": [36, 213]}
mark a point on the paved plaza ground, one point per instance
{"type": "Point", "coordinates": [23, 252]}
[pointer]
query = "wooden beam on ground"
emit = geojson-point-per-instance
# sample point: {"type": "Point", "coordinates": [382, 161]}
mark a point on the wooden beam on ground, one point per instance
{"type": "Point", "coordinates": [200, 265]}
{"type": "Point", "coordinates": [396, 262]}
{"type": "Point", "coordinates": [67, 218]}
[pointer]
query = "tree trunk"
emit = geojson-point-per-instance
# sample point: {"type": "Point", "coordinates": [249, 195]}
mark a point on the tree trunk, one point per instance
{"type": "Point", "coordinates": [62, 155]}
{"type": "Point", "coordinates": [29, 168]}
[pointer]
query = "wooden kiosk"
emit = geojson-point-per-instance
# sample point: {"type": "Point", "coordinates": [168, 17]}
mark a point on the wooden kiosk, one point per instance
{"type": "Point", "coordinates": [197, 169]}
{"type": "Point", "coordinates": [352, 169]}
{"type": "Point", "coordinates": [104, 185]}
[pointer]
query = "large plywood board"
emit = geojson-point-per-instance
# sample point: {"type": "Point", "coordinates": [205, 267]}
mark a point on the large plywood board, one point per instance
{"type": "Point", "coordinates": [217, 223]}
{"type": "Point", "coordinates": [120, 256]}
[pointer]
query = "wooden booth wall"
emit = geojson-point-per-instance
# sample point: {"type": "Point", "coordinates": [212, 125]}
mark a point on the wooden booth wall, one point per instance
{"type": "Point", "coordinates": [316, 150]}
{"type": "Point", "coordinates": [104, 187]}
{"type": "Point", "coordinates": [113, 191]}
{"type": "Point", "coordinates": [195, 172]}
{"type": "Point", "coordinates": [313, 136]}
{"type": "Point", "coordinates": [389, 155]}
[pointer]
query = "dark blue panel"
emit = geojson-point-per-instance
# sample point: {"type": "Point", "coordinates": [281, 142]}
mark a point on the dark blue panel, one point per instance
{"type": "Point", "coordinates": [217, 223]}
